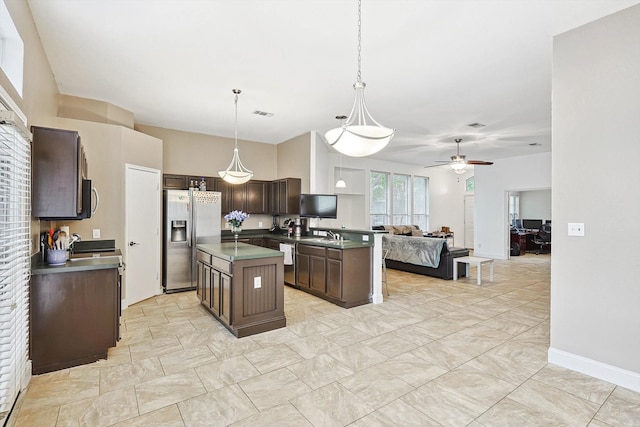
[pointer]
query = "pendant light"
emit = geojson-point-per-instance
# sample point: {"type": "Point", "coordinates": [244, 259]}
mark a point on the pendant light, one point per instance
{"type": "Point", "coordinates": [340, 183]}
{"type": "Point", "coordinates": [236, 173]}
{"type": "Point", "coordinates": [360, 135]}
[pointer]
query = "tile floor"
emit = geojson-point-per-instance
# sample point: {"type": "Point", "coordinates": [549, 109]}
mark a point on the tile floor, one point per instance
{"type": "Point", "coordinates": [434, 353]}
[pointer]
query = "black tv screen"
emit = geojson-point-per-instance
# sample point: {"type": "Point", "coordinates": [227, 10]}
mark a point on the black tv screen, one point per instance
{"type": "Point", "coordinates": [319, 205]}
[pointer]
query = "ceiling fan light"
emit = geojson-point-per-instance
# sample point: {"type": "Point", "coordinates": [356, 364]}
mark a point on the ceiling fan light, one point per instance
{"type": "Point", "coordinates": [458, 166]}
{"type": "Point", "coordinates": [460, 171]}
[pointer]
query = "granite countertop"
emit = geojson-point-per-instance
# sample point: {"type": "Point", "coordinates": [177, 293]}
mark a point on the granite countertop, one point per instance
{"type": "Point", "coordinates": [87, 262]}
{"type": "Point", "coordinates": [353, 240]}
{"type": "Point", "coordinates": [323, 241]}
{"type": "Point", "coordinates": [228, 251]}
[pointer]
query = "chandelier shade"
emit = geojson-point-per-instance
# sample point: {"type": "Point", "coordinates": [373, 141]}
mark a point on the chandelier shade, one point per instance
{"type": "Point", "coordinates": [236, 172]}
{"type": "Point", "coordinates": [359, 135]}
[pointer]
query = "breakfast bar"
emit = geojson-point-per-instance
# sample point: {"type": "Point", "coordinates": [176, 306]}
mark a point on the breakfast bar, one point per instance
{"type": "Point", "coordinates": [242, 286]}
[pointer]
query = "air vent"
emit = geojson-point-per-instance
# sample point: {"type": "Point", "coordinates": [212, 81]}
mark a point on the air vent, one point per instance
{"type": "Point", "coordinates": [262, 113]}
{"type": "Point", "coordinates": [476, 125]}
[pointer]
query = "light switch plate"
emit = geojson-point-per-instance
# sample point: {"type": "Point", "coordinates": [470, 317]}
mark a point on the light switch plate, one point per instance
{"type": "Point", "coordinates": [259, 224]}
{"type": "Point", "coordinates": [96, 233]}
{"type": "Point", "coordinates": [365, 237]}
{"type": "Point", "coordinates": [257, 282]}
{"type": "Point", "coordinates": [576, 229]}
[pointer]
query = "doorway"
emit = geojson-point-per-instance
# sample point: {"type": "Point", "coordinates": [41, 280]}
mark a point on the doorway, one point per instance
{"type": "Point", "coordinates": [468, 221]}
{"type": "Point", "coordinates": [143, 203]}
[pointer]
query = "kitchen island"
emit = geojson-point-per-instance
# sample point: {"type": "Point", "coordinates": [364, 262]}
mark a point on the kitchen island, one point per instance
{"type": "Point", "coordinates": [243, 288]}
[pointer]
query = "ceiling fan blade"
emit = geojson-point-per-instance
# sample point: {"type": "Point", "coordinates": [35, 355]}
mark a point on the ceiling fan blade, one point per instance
{"type": "Point", "coordinates": [436, 166]}
{"type": "Point", "coordinates": [478, 162]}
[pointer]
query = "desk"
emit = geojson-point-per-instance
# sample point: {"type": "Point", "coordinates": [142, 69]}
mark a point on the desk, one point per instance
{"type": "Point", "coordinates": [521, 239]}
{"type": "Point", "coordinates": [473, 260]}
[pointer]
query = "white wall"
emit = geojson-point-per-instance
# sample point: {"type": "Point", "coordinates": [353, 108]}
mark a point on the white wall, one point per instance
{"type": "Point", "coordinates": [595, 290]}
{"type": "Point", "coordinates": [535, 204]}
{"type": "Point", "coordinates": [446, 192]}
{"type": "Point", "coordinates": [491, 201]}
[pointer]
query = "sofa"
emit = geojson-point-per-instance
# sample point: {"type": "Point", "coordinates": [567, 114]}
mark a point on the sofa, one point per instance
{"type": "Point", "coordinates": [421, 255]}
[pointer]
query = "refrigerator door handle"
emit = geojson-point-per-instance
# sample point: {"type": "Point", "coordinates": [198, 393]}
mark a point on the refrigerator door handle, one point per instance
{"type": "Point", "coordinates": [189, 224]}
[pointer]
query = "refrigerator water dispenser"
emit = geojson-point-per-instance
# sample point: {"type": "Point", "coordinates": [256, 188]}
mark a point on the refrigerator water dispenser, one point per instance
{"type": "Point", "coordinates": [178, 231]}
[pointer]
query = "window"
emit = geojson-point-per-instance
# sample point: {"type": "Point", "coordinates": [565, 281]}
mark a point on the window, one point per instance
{"type": "Point", "coordinates": [15, 250]}
{"type": "Point", "coordinates": [401, 198]}
{"type": "Point", "coordinates": [11, 49]}
{"type": "Point", "coordinates": [407, 204]}
{"type": "Point", "coordinates": [421, 202]}
{"type": "Point", "coordinates": [514, 207]}
{"type": "Point", "coordinates": [379, 200]}
{"type": "Point", "coordinates": [470, 184]}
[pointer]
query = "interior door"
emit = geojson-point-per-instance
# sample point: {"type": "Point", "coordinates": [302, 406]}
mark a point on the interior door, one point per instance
{"type": "Point", "coordinates": [468, 221]}
{"type": "Point", "coordinates": [142, 233]}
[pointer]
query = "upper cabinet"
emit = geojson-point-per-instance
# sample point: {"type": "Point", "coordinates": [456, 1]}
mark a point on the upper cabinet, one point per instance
{"type": "Point", "coordinates": [285, 196]}
{"type": "Point", "coordinates": [257, 197]}
{"type": "Point", "coordinates": [60, 173]}
{"type": "Point", "coordinates": [251, 197]}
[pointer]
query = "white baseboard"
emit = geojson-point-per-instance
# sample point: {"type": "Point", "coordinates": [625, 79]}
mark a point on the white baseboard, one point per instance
{"type": "Point", "coordinates": [593, 368]}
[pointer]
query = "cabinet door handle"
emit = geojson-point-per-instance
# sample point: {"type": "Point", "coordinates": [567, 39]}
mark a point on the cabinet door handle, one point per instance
{"type": "Point", "coordinates": [133, 244]}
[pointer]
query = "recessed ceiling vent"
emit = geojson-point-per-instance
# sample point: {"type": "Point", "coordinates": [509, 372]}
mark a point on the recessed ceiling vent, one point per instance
{"type": "Point", "coordinates": [262, 113]}
{"type": "Point", "coordinates": [476, 125]}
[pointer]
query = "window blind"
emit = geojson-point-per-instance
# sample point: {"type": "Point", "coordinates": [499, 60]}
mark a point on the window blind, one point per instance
{"type": "Point", "coordinates": [15, 250]}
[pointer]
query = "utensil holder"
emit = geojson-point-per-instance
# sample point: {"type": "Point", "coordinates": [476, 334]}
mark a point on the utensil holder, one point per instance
{"type": "Point", "coordinates": [56, 256]}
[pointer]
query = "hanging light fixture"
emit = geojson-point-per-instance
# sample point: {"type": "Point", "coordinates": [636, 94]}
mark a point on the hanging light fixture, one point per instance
{"type": "Point", "coordinates": [340, 183]}
{"type": "Point", "coordinates": [236, 173]}
{"type": "Point", "coordinates": [360, 135]}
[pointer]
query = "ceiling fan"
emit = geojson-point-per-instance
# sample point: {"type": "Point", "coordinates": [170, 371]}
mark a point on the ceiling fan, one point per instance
{"type": "Point", "coordinates": [458, 162]}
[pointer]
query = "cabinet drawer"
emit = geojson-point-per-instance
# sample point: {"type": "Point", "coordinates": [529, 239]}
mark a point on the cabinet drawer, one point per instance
{"type": "Point", "coordinates": [312, 250]}
{"type": "Point", "coordinates": [203, 257]}
{"type": "Point", "coordinates": [334, 253]}
{"type": "Point", "coordinates": [221, 265]}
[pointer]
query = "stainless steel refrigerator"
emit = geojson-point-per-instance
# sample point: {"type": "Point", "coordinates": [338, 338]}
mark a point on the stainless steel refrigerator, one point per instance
{"type": "Point", "coordinates": [190, 218]}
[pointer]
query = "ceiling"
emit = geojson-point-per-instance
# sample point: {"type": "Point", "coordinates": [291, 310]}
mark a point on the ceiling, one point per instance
{"type": "Point", "coordinates": [432, 67]}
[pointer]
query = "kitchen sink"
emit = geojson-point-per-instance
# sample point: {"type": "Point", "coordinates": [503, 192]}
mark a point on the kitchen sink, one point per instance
{"type": "Point", "coordinates": [325, 241]}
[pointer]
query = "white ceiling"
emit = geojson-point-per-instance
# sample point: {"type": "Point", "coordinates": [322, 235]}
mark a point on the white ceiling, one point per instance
{"type": "Point", "coordinates": [431, 66]}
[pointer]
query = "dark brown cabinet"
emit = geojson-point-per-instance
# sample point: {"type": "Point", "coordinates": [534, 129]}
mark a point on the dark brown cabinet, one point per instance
{"type": "Point", "coordinates": [235, 300]}
{"type": "Point", "coordinates": [342, 276]}
{"type": "Point", "coordinates": [334, 273]}
{"type": "Point", "coordinates": [253, 197]}
{"type": "Point", "coordinates": [59, 170]}
{"type": "Point", "coordinates": [232, 196]}
{"type": "Point", "coordinates": [284, 197]}
{"type": "Point", "coordinates": [174, 182]}
{"type": "Point", "coordinates": [257, 197]}
{"type": "Point", "coordinates": [73, 318]}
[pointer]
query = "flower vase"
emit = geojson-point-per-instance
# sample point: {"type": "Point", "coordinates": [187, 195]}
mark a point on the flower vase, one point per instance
{"type": "Point", "coordinates": [236, 229]}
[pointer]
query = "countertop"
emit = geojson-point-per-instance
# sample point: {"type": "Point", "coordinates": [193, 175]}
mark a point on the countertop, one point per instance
{"type": "Point", "coordinates": [79, 262]}
{"type": "Point", "coordinates": [228, 251]}
{"type": "Point", "coordinates": [322, 241]}
{"type": "Point", "coordinates": [353, 240]}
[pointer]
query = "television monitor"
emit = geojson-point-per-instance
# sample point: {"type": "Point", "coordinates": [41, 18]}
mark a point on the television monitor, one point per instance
{"type": "Point", "coordinates": [532, 224]}
{"type": "Point", "coordinates": [319, 206]}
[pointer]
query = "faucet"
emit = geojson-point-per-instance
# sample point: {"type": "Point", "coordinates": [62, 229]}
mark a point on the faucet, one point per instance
{"type": "Point", "coordinates": [334, 236]}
